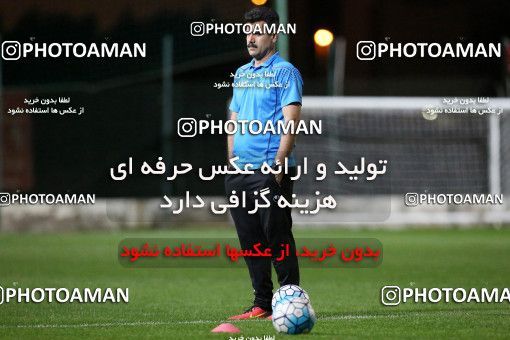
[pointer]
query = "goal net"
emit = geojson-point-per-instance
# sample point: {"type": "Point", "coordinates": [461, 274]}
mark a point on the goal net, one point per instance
{"type": "Point", "coordinates": [436, 148]}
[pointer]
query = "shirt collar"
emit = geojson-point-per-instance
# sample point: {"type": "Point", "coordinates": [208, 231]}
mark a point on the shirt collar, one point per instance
{"type": "Point", "coordinates": [267, 62]}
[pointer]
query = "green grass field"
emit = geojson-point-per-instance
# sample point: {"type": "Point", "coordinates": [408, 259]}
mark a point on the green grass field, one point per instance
{"type": "Point", "coordinates": [176, 303]}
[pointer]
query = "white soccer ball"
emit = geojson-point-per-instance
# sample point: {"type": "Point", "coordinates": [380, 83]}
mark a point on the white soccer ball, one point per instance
{"type": "Point", "coordinates": [294, 316]}
{"type": "Point", "coordinates": [287, 292]}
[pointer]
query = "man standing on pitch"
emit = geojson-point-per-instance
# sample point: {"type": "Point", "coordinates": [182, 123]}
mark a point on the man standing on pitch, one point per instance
{"type": "Point", "coordinates": [280, 101]}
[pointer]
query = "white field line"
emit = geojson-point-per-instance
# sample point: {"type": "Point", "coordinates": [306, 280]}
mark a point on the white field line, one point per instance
{"type": "Point", "coordinates": [403, 314]}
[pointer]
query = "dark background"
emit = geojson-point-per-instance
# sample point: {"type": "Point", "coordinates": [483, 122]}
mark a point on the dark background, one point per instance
{"type": "Point", "coordinates": [123, 97]}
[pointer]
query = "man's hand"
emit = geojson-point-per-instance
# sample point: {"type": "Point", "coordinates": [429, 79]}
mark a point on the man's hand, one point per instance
{"type": "Point", "coordinates": [279, 178]}
{"type": "Point", "coordinates": [230, 139]}
{"type": "Point", "coordinates": [290, 113]}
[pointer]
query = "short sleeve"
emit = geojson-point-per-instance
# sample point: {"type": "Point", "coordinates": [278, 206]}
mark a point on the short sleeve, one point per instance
{"type": "Point", "coordinates": [292, 86]}
{"type": "Point", "coordinates": [234, 103]}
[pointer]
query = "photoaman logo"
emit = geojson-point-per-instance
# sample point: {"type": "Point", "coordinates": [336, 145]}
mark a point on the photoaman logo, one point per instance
{"type": "Point", "coordinates": [63, 295]}
{"type": "Point", "coordinates": [369, 50]}
{"type": "Point", "coordinates": [15, 50]}
{"type": "Point", "coordinates": [395, 295]}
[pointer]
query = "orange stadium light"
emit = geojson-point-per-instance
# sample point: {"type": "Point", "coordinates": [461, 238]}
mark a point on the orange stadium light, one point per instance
{"type": "Point", "coordinates": [258, 2]}
{"type": "Point", "coordinates": [323, 37]}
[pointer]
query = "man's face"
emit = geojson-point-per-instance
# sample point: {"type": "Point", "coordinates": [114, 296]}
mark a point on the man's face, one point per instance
{"type": "Point", "coordinates": [259, 44]}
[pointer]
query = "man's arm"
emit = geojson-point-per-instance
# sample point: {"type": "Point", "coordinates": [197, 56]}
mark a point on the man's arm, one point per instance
{"type": "Point", "coordinates": [230, 138]}
{"type": "Point", "coordinates": [291, 112]}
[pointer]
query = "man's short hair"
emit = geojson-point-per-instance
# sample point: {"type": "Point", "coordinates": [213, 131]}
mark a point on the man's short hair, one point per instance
{"type": "Point", "coordinates": [262, 13]}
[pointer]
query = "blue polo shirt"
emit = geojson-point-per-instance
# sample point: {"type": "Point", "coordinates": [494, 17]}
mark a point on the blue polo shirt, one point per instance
{"type": "Point", "coordinates": [260, 93]}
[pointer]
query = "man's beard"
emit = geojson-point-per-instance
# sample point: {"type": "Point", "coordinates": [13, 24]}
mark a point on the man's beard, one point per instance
{"type": "Point", "coordinates": [262, 54]}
